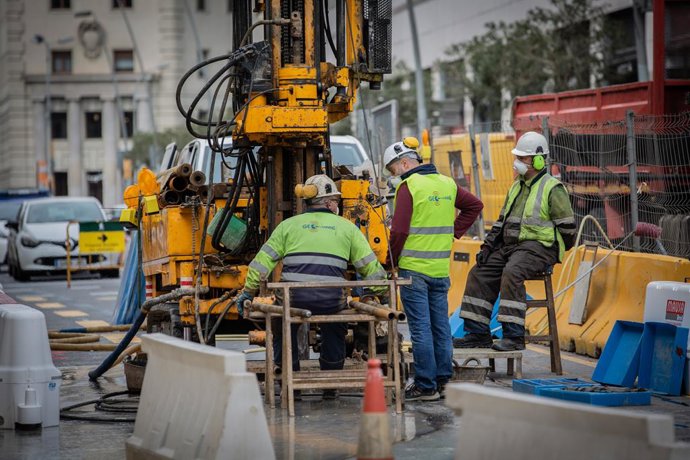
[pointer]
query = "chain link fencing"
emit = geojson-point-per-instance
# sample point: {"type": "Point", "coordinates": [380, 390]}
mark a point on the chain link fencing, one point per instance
{"type": "Point", "coordinates": [620, 172]}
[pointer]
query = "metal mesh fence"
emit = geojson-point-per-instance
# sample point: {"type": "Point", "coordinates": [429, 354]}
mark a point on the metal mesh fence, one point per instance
{"type": "Point", "coordinates": [597, 163]}
{"type": "Point", "coordinates": [625, 172]}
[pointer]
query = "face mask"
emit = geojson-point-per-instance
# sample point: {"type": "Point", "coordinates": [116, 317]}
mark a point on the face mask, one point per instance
{"type": "Point", "coordinates": [520, 167]}
{"type": "Point", "coordinates": [395, 181]}
{"type": "Point", "coordinates": [337, 210]}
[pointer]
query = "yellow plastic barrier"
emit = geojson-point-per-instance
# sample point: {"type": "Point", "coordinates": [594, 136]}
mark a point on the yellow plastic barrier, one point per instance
{"type": "Point", "coordinates": [617, 292]}
{"type": "Point", "coordinates": [453, 157]}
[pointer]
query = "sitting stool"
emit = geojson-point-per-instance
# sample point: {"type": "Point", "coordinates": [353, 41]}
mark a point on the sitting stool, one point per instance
{"type": "Point", "coordinates": [552, 336]}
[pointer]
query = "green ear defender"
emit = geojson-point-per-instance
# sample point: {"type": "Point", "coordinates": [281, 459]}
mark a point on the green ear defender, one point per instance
{"type": "Point", "coordinates": [538, 162]}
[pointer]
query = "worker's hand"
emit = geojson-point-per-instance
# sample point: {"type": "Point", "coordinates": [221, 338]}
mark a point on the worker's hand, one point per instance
{"type": "Point", "coordinates": [368, 299]}
{"type": "Point", "coordinates": [483, 255]}
{"type": "Point", "coordinates": [240, 301]}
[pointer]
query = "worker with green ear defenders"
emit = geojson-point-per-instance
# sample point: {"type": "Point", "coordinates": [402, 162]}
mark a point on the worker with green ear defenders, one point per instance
{"type": "Point", "coordinates": [535, 227]}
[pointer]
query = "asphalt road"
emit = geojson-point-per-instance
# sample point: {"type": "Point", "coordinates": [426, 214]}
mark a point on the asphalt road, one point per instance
{"type": "Point", "coordinates": [89, 302]}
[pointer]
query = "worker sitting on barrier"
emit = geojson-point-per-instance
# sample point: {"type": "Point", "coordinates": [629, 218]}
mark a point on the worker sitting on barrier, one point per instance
{"type": "Point", "coordinates": [535, 227]}
{"type": "Point", "coordinates": [316, 246]}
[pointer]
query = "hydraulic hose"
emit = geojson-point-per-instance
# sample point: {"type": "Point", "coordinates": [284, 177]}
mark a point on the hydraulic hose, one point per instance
{"type": "Point", "coordinates": [145, 307]}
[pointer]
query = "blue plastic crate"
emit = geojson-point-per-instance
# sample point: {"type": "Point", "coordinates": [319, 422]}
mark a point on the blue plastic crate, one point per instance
{"type": "Point", "coordinates": [627, 398]}
{"type": "Point", "coordinates": [662, 357]}
{"type": "Point", "coordinates": [619, 362]}
{"type": "Point", "coordinates": [536, 386]}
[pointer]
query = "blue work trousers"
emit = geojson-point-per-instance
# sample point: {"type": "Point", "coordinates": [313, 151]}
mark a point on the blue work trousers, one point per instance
{"type": "Point", "coordinates": [426, 306]}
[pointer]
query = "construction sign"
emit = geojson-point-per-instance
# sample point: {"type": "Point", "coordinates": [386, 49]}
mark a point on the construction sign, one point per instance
{"type": "Point", "coordinates": [100, 237]}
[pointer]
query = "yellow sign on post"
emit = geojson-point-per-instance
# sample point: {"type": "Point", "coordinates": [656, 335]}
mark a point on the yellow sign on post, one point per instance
{"type": "Point", "coordinates": [100, 237]}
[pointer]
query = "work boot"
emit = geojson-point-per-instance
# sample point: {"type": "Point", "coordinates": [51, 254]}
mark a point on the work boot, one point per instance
{"type": "Point", "coordinates": [441, 388]}
{"type": "Point", "coordinates": [473, 340]}
{"type": "Point", "coordinates": [510, 344]}
{"type": "Point", "coordinates": [330, 394]}
{"type": "Point", "coordinates": [414, 393]}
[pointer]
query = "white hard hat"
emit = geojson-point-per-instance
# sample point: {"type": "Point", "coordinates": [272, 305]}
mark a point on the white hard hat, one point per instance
{"type": "Point", "coordinates": [531, 144]}
{"type": "Point", "coordinates": [318, 186]}
{"type": "Point", "coordinates": [407, 146]}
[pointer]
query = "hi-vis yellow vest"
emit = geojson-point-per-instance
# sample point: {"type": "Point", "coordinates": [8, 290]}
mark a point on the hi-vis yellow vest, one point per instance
{"type": "Point", "coordinates": [428, 245]}
{"type": "Point", "coordinates": [535, 223]}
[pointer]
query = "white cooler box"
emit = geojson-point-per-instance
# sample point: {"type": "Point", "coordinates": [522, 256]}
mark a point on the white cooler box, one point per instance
{"type": "Point", "coordinates": [669, 302]}
{"type": "Point", "coordinates": [29, 382]}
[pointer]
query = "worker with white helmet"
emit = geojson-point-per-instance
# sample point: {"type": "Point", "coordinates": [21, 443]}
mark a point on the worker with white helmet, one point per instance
{"type": "Point", "coordinates": [424, 224]}
{"type": "Point", "coordinates": [316, 246]}
{"type": "Point", "coordinates": [535, 227]}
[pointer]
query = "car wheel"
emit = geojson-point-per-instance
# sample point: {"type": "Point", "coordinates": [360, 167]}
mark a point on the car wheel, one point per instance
{"type": "Point", "coordinates": [19, 274]}
{"type": "Point", "coordinates": [114, 273]}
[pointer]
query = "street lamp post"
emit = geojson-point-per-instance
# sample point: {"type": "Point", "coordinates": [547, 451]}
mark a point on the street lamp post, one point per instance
{"type": "Point", "coordinates": [121, 117]}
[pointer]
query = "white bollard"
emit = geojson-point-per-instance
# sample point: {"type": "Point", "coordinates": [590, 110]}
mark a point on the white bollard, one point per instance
{"type": "Point", "coordinates": [198, 402]}
{"type": "Point", "coordinates": [498, 424]}
{"type": "Point", "coordinates": [29, 382]}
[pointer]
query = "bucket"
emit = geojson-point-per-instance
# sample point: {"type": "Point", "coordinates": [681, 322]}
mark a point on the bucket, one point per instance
{"type": "Point", "coordinates": [465, 372]}
{"type": "Point", "coordinates": [134, 372]}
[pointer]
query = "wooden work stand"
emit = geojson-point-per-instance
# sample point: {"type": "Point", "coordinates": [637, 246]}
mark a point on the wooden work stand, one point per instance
{"type": "Point", "coordinates": [513, 358]}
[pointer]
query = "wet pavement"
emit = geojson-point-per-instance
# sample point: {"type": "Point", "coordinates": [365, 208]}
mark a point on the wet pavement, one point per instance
{"type": "Point", "coordinates": [320, 429]}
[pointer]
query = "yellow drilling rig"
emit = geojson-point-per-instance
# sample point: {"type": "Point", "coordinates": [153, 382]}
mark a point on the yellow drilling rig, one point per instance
{"type": "Point", "coordinates": [268, 130]}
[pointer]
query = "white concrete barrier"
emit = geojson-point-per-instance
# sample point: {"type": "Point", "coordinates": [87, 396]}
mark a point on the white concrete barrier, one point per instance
{"type": "Point", "coordinates": [499, 424]}
{"type": "Point", "coordinates": [198, 402]}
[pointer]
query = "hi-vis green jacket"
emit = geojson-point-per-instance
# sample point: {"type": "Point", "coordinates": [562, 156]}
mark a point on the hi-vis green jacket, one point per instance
{"type": "Point", "coordinates": [316, 246]}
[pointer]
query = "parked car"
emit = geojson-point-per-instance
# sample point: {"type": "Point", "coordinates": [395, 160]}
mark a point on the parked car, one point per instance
{"type": "Point", "coordinates": [10, 201]}
{"type": "Point", "coordinates": [348, 151]}
{"type": "Point", "coordinates": [37, 241]}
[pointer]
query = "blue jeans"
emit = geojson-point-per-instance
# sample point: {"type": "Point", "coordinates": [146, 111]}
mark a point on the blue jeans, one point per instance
{"type": "Point", "coordinates": [426, 306]}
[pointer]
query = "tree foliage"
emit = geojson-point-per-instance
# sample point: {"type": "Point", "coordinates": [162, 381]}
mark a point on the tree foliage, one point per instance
{"type": "Point", "coordinates": [556, 48]}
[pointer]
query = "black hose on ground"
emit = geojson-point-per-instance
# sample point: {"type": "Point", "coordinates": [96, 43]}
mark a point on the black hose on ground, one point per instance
{"type": "Point", "coordinates": [105, 403]}
{"type": "Point", "coordinates": [145, 307]}
{"type": "Point", "coordinates": [108, 362]}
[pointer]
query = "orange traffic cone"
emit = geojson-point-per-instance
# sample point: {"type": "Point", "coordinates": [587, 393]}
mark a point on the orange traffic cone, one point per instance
{"type": "Point", "coordinates": [374, 430]}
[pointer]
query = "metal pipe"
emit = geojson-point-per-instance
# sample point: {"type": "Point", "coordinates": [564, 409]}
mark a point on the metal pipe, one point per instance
{"type": "Point", "coordinates": [475, 177]}
{"type": "Point", "coordinates": [418, 75]}
{"type": "Point", "coordinates": [197, 178]}
{"type": "Point", "coordinates": [380, 313]}
{"type": "Point", "coordinates": [275, 309]}
{"type": "Point", "coordinates": [178, 183]}
{"type": "Point", "coordinates": [632, 175]}
{"type": "Point", "coordinates": [340, 32]}
{"type": "Point", "coordinates": [170, 198]}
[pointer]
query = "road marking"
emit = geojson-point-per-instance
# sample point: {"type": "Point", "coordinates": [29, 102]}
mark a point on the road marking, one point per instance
{"type": "Point", "coordinates": [31, 298]}
{"type": "Point", "coordinates": [71, 313]}
{"type": "Point", "coordinates": [85, 288]}
{"type": "Point", "coordinates": [104, 293]}
{"type": "Point", "coordinates": [116, 337]}
{"type": "Point", "coordinates": [107, 297]}
{"type": "Point", "coordinates": [572, 359]}
{"type": "Point", "coordinates": [49, 305]}
{"type": "Point", "coordinates": [92, 323]}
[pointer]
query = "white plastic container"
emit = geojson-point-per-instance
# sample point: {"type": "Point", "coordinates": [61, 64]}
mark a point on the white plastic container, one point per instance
{"type": "Point", "coordinates": [29, 382]}
{"type": "Point", "coordinates": [669, 302]}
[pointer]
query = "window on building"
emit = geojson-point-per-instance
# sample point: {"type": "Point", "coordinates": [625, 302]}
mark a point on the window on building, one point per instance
{"type": "Point", "coordinates": [201, 5]}
{"type": "Point", "coordinates": [123, 60]}
{"type": "Point", "coordinates": [124, 3]}
{"type": "Point", "coordinates": [58, 125]}
{"type": "Point", "coordinates": [129, 124]}
{"type": "Point", "coordinates": [93, 125]}
{"type": "Point", "coordinates": [60, 179]}
{"type": "Point", "coordinates": [60, 4]}
{"type": "Point", "coordinates": [61, 62]}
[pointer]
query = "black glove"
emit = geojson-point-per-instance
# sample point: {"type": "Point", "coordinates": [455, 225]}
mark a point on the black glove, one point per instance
{"type": "Point", "coordinates": [240, 301]}
{"type": "Point", "coordinates": [483, 255]}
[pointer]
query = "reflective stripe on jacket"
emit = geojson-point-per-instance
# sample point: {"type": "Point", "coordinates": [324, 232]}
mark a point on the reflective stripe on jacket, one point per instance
{"type": "Point", "coordinates": [428, 245]}
{"type": "Point", "coordinates": [535, 223]}
{"type": "Point", "coordinates": [316, 246]}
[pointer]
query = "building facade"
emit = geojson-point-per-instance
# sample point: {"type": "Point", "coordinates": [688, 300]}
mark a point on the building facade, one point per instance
{"type": "Point", "coordinates": [104, 83]}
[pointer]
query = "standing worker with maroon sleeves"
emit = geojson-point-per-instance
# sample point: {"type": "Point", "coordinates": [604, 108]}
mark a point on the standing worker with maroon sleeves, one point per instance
{"type": "Point", "coordinates": [422, 232]}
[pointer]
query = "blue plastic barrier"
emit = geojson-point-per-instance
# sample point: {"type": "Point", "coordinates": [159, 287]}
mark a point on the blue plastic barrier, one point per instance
{"type": "Point", "coordinates": [662, 357]}
{"type": "Point", "coordinates": [619, 362]}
